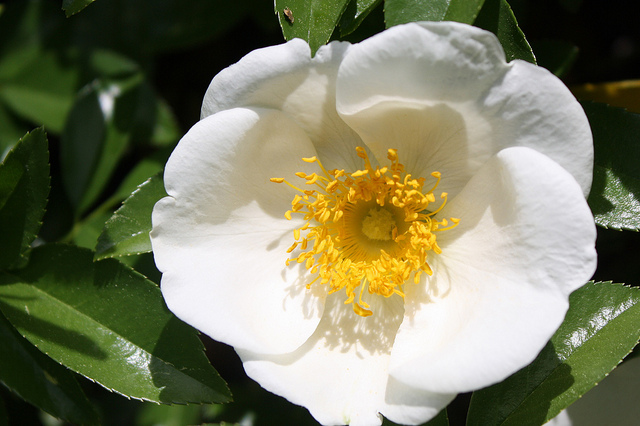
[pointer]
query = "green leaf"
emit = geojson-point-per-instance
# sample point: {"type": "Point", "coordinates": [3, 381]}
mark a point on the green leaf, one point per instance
{"type": "Point", "coordinates": [557, 56]}
{"type": "Point", "coordinates": [615, 192]}
{"type": "Point", "coordinates": [496, 16]}
{"type": "Point", "coordinates": [106, 120]}
{"type": "Point", "coordinates": [601, 327]}
{"type": "Point", "coordinates": [38, 379]}
{"type": "Point", "coordinates": [402, 11]}
{"type": "Point", "coordinates": [127, 232]}
{"type": "Point", "coordinates": [11, 130]}
{"type": "Point", "coordinates": [24, 187]}
{"type": "Point", "coordinates": [355, 13]}
{"type": "Point", "coordinates": [110, 324]}
{"type": "Point", "coordinates": [72, 7]}
{"type": "Point", "coordinates": [168, 415]}
{"type": "Point", "coordinates": [310, 20]}
{"type": "Point", "coordinates": [38, 81]}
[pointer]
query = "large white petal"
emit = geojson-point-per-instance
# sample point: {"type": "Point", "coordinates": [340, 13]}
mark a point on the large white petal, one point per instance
{"type": "Point", "coordinates": [500, 287]}
{"type": "Point", "coordinates": [285, 77]}
{"type": "Point", "coordinates": [220, 238]}
{"type": "Point", "coordinates": [423, 85]}
{"type": "Point", "coordinates": [340, 374]}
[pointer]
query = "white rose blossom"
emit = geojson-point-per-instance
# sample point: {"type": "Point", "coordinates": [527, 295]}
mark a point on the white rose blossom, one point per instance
{"type": "Point", "coordinates": [382, 226]}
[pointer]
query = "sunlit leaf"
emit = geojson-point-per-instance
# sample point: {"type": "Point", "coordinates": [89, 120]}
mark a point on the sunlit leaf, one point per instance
{"type": "Point", "coordinates": [127, 232]}
{"type": "Point", "coordinates": [38, 379]}
{"type": "Point", "coordinates": [110, 324]}
{"type": "Point", "coordinates": [24, 187]}
{"type": "Point", "coordinates": [310, 20]}
{"type": "Point", "coordinates": [600, 329]}
{"type": "Point", "coordinates": [615, 193]}
{"type": "Point", "coordinates": [496, 16]}
{"type": "Point", "coordinates": [403, 11]}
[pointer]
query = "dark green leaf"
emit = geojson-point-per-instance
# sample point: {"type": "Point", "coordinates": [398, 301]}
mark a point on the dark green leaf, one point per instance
{"type": "Point", "coordinates": [496, 16]}
{"type": "Point", "coordinates": [144, 170]}
{"type": "Point", "coordinates": [71, 7]}
{"type": "Point", "coordinates": [310, 20]}
{"type": "Point", "coordinates": [38, 379]}
{"type": "Point", "coordinates": [4, 418]}
{"type": "Point", "coordinates": [87, 231]}
{"type": "Point", "coordinates": [403, 11]}
{"type": "Point", "coordinates": [24, 187]}
{"type": "Point", "coordinates": [37, 82]}
{"type": "Point", "coordinates": [169, 415]}
{"type": "Point", "coordinates": [557, 56]}
{"type": "Point", "coordinates": [105, 121]}
{"type": "Point", "coordinates": [127, 232]}
{"type": "Point", "coordinates": [110, 324]}
{"type": "Point", "coordinates": [11, 130]}
{"type": "Point", "coordinates": [615, 193]}
{"type": "Point", "coordinates": [355, 13]}
{"type": "Point", "coordinates": [600, 329]}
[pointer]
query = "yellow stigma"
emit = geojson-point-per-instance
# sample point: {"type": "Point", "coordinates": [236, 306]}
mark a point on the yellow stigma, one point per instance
{"type": "Point", "coordinates": [366, 230]}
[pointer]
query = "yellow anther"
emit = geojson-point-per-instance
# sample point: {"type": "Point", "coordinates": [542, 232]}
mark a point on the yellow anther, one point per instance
{"type": "Point", "coordinates": [371, 230]}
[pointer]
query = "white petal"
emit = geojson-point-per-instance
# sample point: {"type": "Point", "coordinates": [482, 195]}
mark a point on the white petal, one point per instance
{"type": "Point", "coordinates": [220, 238]}
{"type": "Point", "coordinates": [340, 374]}
{"type": "Point", "coordinates": [285, 77]}
{"type": "Point", "coordinates": [531, 107]}
{"type": "Point", "coordinates": [395, 89]}
{"type": "Point", "coordinates": [444, 61]}
{"type": "Point", "coordinates": [614, 401]}
{"type": "Point", "coordinates": [500, 287]}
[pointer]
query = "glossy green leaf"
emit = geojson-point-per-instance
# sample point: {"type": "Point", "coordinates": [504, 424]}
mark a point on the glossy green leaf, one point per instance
{"type": "Point", "coordinates": [72, 7]}
{"type": "Point", "coordinates": [615, 193]}
{"type": "Point", "coordinates": [127, 232]}
{"type": "Point", "coordinates": [41, 381]}
{"type": "Point", "coordinates": [310, 20]}
{"type": "Point", "coordinates": [110, 324]}
{"type": "Point", "coordinates": [24, 187]}
{"type": "Point", "coordinates": [496, 16]}
{"type": "Point", "coordinates": [440, 420]}
{"type": "Point", "coordinates": [601, 327]}
{"type": "Point", "coordinates": [106, 120]}
{"type": "Point", "coordinates": [355, 13]}
{"type": "Point", "coordinates": [403, 11]}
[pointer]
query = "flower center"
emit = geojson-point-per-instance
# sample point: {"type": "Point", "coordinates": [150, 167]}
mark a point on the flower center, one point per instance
{"type": "Point", "coordinates": [378, 224]}
{"type": "Point", "coordinates": [371, 229]}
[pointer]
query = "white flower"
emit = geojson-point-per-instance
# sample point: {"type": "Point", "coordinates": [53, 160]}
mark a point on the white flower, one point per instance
{"type": "Point", "coordinates": [353, 332]}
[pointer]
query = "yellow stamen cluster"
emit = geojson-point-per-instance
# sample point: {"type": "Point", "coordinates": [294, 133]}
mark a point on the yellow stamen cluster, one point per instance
{"type": "Point", "coordinates": [370, 229]}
